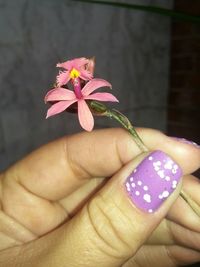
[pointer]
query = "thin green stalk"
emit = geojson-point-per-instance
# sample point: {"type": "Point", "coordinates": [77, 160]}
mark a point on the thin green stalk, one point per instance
{"type": "Point", "coordinates": [152, 9]}
{"type": "Point", "coordinates": [100, 109]}
{"type": "Point", "coordinates": [190, 202]}
{"type": "Point", "coordinates": [123, 120]}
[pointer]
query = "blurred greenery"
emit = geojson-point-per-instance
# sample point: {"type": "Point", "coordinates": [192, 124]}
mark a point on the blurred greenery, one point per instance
{"type": "Point", "coordinates": [152, 9]}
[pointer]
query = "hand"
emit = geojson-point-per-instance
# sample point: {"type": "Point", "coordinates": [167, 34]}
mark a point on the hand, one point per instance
{"type": "Point", "coordinates": [58, 207]}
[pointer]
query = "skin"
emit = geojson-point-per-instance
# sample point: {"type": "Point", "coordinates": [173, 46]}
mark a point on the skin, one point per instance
{"type": "Point", "coordinates": [65, 205]}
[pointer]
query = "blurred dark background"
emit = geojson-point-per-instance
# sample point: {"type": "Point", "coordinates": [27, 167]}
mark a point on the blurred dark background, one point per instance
{"type": "Point", "coordinates": [184, 95]}
{"type": "Point", "coordinates": [183, 112]}
{"type": "Point", "coordinates": [132, 51]}
{"type": "Point", "coordinates": [153, 63]}
{"type": "Point", "coordinates": [184, 90]}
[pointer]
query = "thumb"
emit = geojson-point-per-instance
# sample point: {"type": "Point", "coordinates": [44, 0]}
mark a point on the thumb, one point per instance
{"type": "Point", "coordinates": [122, 215]}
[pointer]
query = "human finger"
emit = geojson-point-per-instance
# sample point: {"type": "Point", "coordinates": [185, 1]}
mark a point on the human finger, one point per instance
{"type": "Point", "coordinates": [181, 213]}
{"type": "Point", "coordinates": [171, 233]}
{"type": "Point", "coordinates": [57, 169]}
{"type": "Point", "coordinates": [163, 256]}
{"type": "Point", "coordinates": [118, 220]}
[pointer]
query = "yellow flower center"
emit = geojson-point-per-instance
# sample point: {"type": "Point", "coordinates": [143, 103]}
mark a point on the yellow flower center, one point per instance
{"type": "Point", "coordinates": [74, 74]}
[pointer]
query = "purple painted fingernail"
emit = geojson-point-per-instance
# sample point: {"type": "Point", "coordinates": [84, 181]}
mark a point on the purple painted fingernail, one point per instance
{"type": "Point", "coordinates": [185, 141]}
{"type": "Point", "coordinates": [154, 179]}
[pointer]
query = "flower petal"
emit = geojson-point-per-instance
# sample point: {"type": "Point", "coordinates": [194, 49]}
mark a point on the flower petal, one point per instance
{"type": "Point", "coordinates": [85, 75]}
{"type": "Point", "coordinates": [102, 97]}
{"type": "Point", "coordinates": [59, 107]}
{"type": "Point", "coordinates": [85, 116]}
{"type": "Point", "coordinates": [93, 85]}
{"type": "Point", "coordinates": [59, 94]}
{"type": "Point", "coordinates": [62, 78]}
{"type": "Point", "coordinates": [79, 62]}
{"type": "Point", "coordinates": [65, 65]}
{"type": "Point", "coordinates": [74, 63]}
{"type": "Point", "coordinates": [91, 65]}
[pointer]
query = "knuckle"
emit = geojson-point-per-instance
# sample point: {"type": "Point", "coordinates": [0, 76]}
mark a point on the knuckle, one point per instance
{"type": "Point", "coordinates": [109, 225]}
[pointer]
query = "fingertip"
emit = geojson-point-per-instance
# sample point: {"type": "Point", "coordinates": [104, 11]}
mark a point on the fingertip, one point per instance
{"type": "Point", "coordinates": [187, 155]}
{"type": "Point", "coordinates": [186, 141]}
{"type": "Point", "coordinates": [153, 181]}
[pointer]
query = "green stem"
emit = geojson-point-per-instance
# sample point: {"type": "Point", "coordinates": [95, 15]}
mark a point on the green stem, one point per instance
{"type": "Point", "coordinates": [100, 109]}
{"type": "Point", "coordinates": [152, 9]}
{"type": "Point", "coordinates": [195, 207]}
{"type": "Point", "coordinates": [123, 120]}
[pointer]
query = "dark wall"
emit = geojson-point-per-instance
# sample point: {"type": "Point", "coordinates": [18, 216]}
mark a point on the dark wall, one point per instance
{"type": "Point", "coordinates": [131, 49]}
{"type": "Point", "coordinates": [184, 96]}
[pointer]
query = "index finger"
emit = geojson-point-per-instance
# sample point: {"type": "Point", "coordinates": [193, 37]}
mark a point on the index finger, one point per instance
{"type": "Point", "coordinates": [58, 168]}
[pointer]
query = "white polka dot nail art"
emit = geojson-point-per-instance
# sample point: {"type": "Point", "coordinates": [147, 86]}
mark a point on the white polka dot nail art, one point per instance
{"type": "Point", "coordinates": [147, 198]}
{"type": "Point", "coordinates": [167, 178]}
{"type": "Point", "coordinates": [145, 188]}
{"type": "Point", "coordinates": [161, 173]}
{"type": "Point", "coordinates": [156, 178]}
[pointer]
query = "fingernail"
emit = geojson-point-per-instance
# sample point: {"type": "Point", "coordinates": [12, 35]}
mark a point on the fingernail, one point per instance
{"type": "Point", "coordinates": [152, 182]}
{"type": "Point", "coordinates": [185, 141]}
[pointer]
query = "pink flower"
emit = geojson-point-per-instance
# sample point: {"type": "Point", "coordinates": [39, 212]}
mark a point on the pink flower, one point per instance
{"type": "Point", "coordinates": [91, 65]}
{"type": "Point", "coordinates": [78, 67]}
{"type": "Point", "coordinates": [66, 98]}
